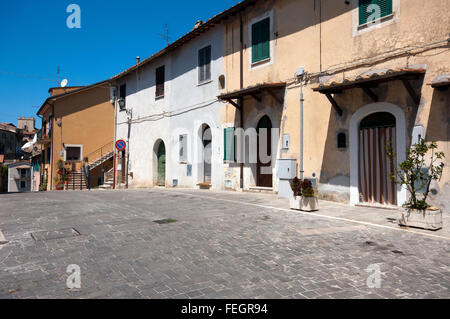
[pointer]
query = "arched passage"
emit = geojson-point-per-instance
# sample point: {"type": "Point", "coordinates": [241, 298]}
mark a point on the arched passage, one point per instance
{"type": "Point", "coordinates": [264, 176]}
{"type": "Point", "coordinates": [159, 166]}
{"type": "Point", "coordinates": [373, 128]}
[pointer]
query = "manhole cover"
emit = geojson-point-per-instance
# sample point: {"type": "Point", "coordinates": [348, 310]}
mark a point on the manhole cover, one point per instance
{"type": "Point", "coordinates": [55, 234]}
{"type": "Point", "coordinates": [165, 221]}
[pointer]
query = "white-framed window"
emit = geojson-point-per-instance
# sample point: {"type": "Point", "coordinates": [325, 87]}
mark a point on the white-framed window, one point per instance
{"type": "Point", "coordinates": [373, 14]}
{"type": "Point", "coordinates": [183, 139]}
{"type": "Point", "coordinates": [261, 44]}
{"type": "Point", "coordinates": [73, 153]}
{"type": "Point", "coordinates": [204, 64]}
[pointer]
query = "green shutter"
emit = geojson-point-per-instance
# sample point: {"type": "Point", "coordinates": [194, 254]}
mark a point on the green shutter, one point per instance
{"type": "Point", "coordinates": [261, 40]}
{"type": "Point", "coordinates": [228, 144]}
{"type": "Point", "coordinates": [385, 9]}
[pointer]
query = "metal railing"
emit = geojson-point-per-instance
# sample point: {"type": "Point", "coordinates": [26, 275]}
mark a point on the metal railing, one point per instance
{"type": "Point", "coordinates": [99, 153]}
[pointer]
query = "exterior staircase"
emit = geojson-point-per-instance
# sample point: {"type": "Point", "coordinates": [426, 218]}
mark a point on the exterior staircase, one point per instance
{"type": "Point", "coordinates": [109, 180]}
{"type": "Point", "coordinates": [77, 181]}
{"type": "Point", "coordinates": [101, 160]}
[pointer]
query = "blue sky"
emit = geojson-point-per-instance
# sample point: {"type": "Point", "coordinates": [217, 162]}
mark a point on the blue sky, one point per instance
{"type": "Point", "coordinates": [35, 40]}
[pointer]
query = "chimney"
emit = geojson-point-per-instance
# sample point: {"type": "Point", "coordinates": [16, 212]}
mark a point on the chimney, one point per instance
{"type": "Point", "coordinates": [197, 24]}
{"type": "Point", "coordinates": [138, 59]}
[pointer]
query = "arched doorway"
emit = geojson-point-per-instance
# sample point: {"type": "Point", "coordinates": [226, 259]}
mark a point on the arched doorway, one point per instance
{"type": "Point", "coordinates": [264, 176]}
{"type": "Point", "coordinates": [207, 153]}
{"type": "Point", "coordinates": [161, 157]}
{"type": "Point", "coordinates": [377, 132]}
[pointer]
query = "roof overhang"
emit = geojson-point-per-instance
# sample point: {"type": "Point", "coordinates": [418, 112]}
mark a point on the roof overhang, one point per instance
{"type": "Point", "coordinates": [369, 80]}
{"type": "Point", "coordinates": [441, 82]}
{"type": "Point", "coordinates": [254, 92]}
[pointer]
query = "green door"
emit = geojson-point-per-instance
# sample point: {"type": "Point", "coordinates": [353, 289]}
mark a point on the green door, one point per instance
{"type": "Point", "coordinates": [161, 164]}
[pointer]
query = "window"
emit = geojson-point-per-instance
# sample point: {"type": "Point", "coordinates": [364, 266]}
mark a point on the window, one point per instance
{"type": "Point", "coordinates": [123, 93]}
{"type": "Point", "coordinates": [160, 78]}
{"type": "Point", "coordinates": [371, 10]}
{"type": "Point", "coordinates": [261, 40]}
{"type": "Point", "coordinates": [23, 173]}
{"type": "Point", "coordinates": [183, 148]}
{"type": "Point", "coordinates": [48, 156]}
{"type": "Point", "coordinates": [23, 184]}
{"type": "Point", "coordinates": [342, 140]}
{"type": "Point", "coordinates": [73, 153]}
{"type": "Point", "coordinates": [204, 64]}
{"type": "Point", "coordinates": [229, 144]}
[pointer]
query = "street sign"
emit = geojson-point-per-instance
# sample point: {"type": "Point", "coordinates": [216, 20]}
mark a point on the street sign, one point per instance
{"type": "Point", "coordinates": [121, 145]}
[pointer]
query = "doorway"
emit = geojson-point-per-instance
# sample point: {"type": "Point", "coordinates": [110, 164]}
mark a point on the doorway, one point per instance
{"type": "Point", "coordinates": [161, 181]}
{"type": "Point", "coordinates": [377, 132]}
{"type": "Point", "coordinates": [207, 153]}
{"type": "Point", "coordinates": [264, 174]}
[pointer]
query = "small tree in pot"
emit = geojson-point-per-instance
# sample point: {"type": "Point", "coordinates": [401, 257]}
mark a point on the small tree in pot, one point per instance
{"type": "Point", "coordinates": [416, 176]}
{"type": "Point", "coordinates": [309, 200]}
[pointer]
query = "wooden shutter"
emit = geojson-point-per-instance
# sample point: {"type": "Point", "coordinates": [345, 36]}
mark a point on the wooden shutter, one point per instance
{"type": "Point", "coordinates": [261, 40]}
{"type": "Point", "coordinates": [385, 9]}
{"type": "Point", "coordinates": [160, 78]}
{"type": "Point", "coordinates": [229, 145]}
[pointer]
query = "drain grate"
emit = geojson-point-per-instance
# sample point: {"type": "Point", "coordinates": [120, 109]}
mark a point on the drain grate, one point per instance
{"type": "Point", "coordinates": [55, 234]}
{"type": "Point", "coordinates": [165, 221]}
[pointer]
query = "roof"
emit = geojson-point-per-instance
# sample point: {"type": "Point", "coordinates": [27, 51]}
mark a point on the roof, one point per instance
{"type": "Point", "coordinates": [20, 165]}
{"type": "Point", "coordinates": [440, 81]}
{"type": "Point", "coordinates": [196, 31]}
{"type": "Point", "coordinates": [80, 89]}
{"type": "Point", "coordinates": [255, 89]}
{"type": "Point", "coordinates": [370, 77]}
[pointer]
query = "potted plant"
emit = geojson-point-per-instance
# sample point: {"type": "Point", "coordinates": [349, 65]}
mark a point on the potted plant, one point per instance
{"type": "Point", "coordinates": [309, 201]}
{"type": "Point", "coordinates": [296, 186]}
{"type": "Point", "coordinates": [416, 176]}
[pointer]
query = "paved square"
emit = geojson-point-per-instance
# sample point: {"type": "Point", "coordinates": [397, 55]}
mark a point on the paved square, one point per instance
{"type": "Point", "coordinates": [216, 245]}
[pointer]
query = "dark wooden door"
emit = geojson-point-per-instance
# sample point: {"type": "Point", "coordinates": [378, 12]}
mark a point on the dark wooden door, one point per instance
{"type": "Point", "coordinates": [161, 164]}
{"type": "Point", "coordinates": [264, 165]}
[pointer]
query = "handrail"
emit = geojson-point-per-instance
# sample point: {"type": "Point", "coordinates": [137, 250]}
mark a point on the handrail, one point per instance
{"type": "Point", "coordinates": [101, 151]}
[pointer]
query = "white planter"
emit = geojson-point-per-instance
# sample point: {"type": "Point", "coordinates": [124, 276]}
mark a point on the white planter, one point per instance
{"type": "Point", "coordinates": [295, 202]}
{"type": "Point", "coordinates": [427, 219]}
{"type": "Point", "coordinates": [309, 204]}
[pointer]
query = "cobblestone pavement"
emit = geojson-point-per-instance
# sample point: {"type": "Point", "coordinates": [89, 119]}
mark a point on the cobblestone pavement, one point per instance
{"type": "Point", "coordinates": [222, 245]}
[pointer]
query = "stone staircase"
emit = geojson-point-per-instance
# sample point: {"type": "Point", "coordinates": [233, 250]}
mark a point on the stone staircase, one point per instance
{"type": "Point", "coordinates": [109, 180]}
{"type": "Point", "coordinates": [77, 181]}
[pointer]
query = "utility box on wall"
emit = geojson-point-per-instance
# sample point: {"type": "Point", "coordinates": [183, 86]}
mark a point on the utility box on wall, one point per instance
{"type": "Point", "coordinates": [287, 170]}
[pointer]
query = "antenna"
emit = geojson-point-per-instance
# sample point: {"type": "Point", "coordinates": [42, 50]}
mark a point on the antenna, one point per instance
{"type": "Point", "coordinates": [166, 35]}
{"type": "Point", "coordinates": [57, 73]}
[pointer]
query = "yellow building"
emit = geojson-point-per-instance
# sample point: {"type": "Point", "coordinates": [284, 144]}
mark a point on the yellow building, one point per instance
{"type": "Point", "coordinates": [77, 132]}
{"type": "Point", "coordinates": [371, 72]}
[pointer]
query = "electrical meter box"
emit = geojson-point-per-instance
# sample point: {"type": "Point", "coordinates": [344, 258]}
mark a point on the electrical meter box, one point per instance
{"type": "Point", "coordinates": [287, 168]}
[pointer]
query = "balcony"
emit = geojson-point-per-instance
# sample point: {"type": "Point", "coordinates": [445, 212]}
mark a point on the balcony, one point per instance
{"type": "Point", "coordinates": [44, 139]}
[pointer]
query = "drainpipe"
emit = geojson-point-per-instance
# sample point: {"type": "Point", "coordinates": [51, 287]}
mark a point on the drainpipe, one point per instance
{"type": "Point", "coordinates": [241, 100]}
{"type": "Point", "coordinates": [114, 142]}
{"type": "Point", "coordinates": [301, 131]}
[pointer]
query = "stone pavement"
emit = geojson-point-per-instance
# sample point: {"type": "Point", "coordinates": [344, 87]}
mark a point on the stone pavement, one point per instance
{"type": "Point", "coordinates": [222, 245]}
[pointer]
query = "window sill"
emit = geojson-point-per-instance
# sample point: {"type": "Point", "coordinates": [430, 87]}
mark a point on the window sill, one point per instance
{"type": "Point", "coordinates": [160, 97]}
{"type": "Point", "coordinates": [258, 63]}
{"type": "Point", "coordinates": [204, 82]}
{"type": "Point", "coordinates": [371, 24]}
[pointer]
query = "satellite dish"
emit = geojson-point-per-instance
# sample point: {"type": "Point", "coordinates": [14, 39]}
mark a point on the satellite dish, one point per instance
{"type": "Point", "coordinates": [64, 83]}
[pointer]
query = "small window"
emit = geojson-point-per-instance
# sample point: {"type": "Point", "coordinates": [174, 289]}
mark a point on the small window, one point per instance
{"type": "Point", "coordinates": [183, 148]}
{"type": "Point", "coordinates": [372, 10]}
{"type": "Point", "coordinates": [73, 153]}
{"type": "Point", "coordinates": [221, 82]}
{"type": "Point", "coordinates": [123, 93]}
{"type": "Point", "coordinates": [48, 156]}
{"type": "Point", "coordinates": [229, 145]}
{"type": "Point", "coordinates": [261, 40]}
{"type": "Point", "coordinates": [342, 140]}
{"type": "Point", "coordinates": [23, 184]}
{"type": "Point", "coordinates": [160, 79]}
{"type": "Point", "coordinates": [23, 173]}
{"type": "Point", "coordinates": [204, 64]}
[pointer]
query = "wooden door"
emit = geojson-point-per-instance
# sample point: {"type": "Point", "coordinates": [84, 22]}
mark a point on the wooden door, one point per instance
{"type": "Point", "coordinates": [207, 154]}
{"type": "Point", "coordinates": [264, 168]}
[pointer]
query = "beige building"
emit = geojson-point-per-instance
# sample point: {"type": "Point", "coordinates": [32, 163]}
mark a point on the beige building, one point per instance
{"type": "Point", "coordinates": [370, 76]}
{"type": "Point", "coordinates": [77, 132]}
